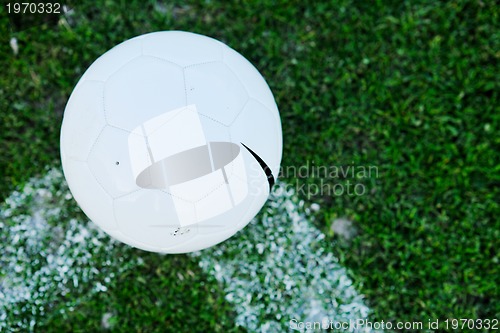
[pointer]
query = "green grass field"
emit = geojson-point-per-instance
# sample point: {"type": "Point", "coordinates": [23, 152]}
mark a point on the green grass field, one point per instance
{"type": "Point", "coordinates": [408, 87]}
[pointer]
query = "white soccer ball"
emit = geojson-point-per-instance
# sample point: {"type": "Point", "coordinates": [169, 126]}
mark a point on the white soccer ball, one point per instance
{"type": "Point", "coordinates": [171, 142]}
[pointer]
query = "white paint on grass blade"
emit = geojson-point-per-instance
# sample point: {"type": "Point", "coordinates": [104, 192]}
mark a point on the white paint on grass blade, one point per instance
{"type": "Point", "coordinates": [277, 270]}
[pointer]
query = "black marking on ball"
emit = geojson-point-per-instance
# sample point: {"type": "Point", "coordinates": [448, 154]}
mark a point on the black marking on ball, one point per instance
{"type": "Point", "coordinates": [180, 231]}
{"type": "Point", "coordinates": [264, 166]}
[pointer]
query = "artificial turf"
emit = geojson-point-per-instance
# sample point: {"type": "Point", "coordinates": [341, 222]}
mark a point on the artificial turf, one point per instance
{"type": "Point", "coordinates": [408, 87]}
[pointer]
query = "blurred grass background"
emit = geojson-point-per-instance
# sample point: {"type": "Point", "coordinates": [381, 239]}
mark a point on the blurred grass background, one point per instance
{"type": "Point", "coordinates": [409, 87]}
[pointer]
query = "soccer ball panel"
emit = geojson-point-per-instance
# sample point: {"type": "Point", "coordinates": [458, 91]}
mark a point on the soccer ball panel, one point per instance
{"type": "Point", "coordinates": [254, 83]}
{"type": "Point", "coordinates": [216, 91]}
{"type": "Point", "coordinates": [182, 48]}
{"type": "Point", "coordinates": [83, 120]}
{"type": "Point", "coordinates": [142, 89]}
{"type": "Point", "coordinates": [110, 155]}
{"type": "Point", "coordinates": [113, 60]}
{"type": "Point", "coordinates": [95, 202]}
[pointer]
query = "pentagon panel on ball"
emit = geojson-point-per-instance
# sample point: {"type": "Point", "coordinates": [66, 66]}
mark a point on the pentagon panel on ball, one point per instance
{"type": "Point", "coordinates": [171, 142]}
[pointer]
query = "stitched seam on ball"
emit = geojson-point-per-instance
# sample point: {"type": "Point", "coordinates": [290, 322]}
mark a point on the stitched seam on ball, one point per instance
{"type": "Point", "coordinates": [210, 192]}
{"type": "Point", "coordinates": [109, 77]}
{"type": "Point", "coordinates": [214, 120]}
{"type": "Point", "coordinates": [241, 110]}
{"type": "Point", "coordinates": [128, 193]}
{"type": "Point", "coordinates": [161, 59]}
{"type": "Point", "coordinates": [275, 115]}
{"type": "Point", "coordinates": [238, 78]}
{"type": "Point", "coordinates": [185, 87]}
{"type": "Point", "coordinates": [88, 166]}
{"type": "Point", "coordinates": [175, 196]}
{"type": "Point", "coordinates": [103, 98]}
{"type": "Point", "coordinates": [100, 184]}
{"type": "Point", "coordinates": [121, 128]}
{"type": "Point", "coordinates": [244, 88]}
{"type": "Point", "coordinates": [268, 109]}
{"type": "Point", "coordinates": [104, 104]}
{"type": "Point", "coordinates": [95, 142]}
{"type": "Point", "coordinates": [202, 63]}
{"type": "Point", "coordinates": [262, 103]}
{"type": "Point", "coordinates": [121, 67]}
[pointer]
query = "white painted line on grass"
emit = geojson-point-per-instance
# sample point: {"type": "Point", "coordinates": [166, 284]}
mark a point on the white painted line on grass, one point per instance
{"type": "Point", "coordinates": [274, 271]}
{"type": "Point", "coordinates": [51, 257]}
{"type": "Point", "coordinates": [278, 274]}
